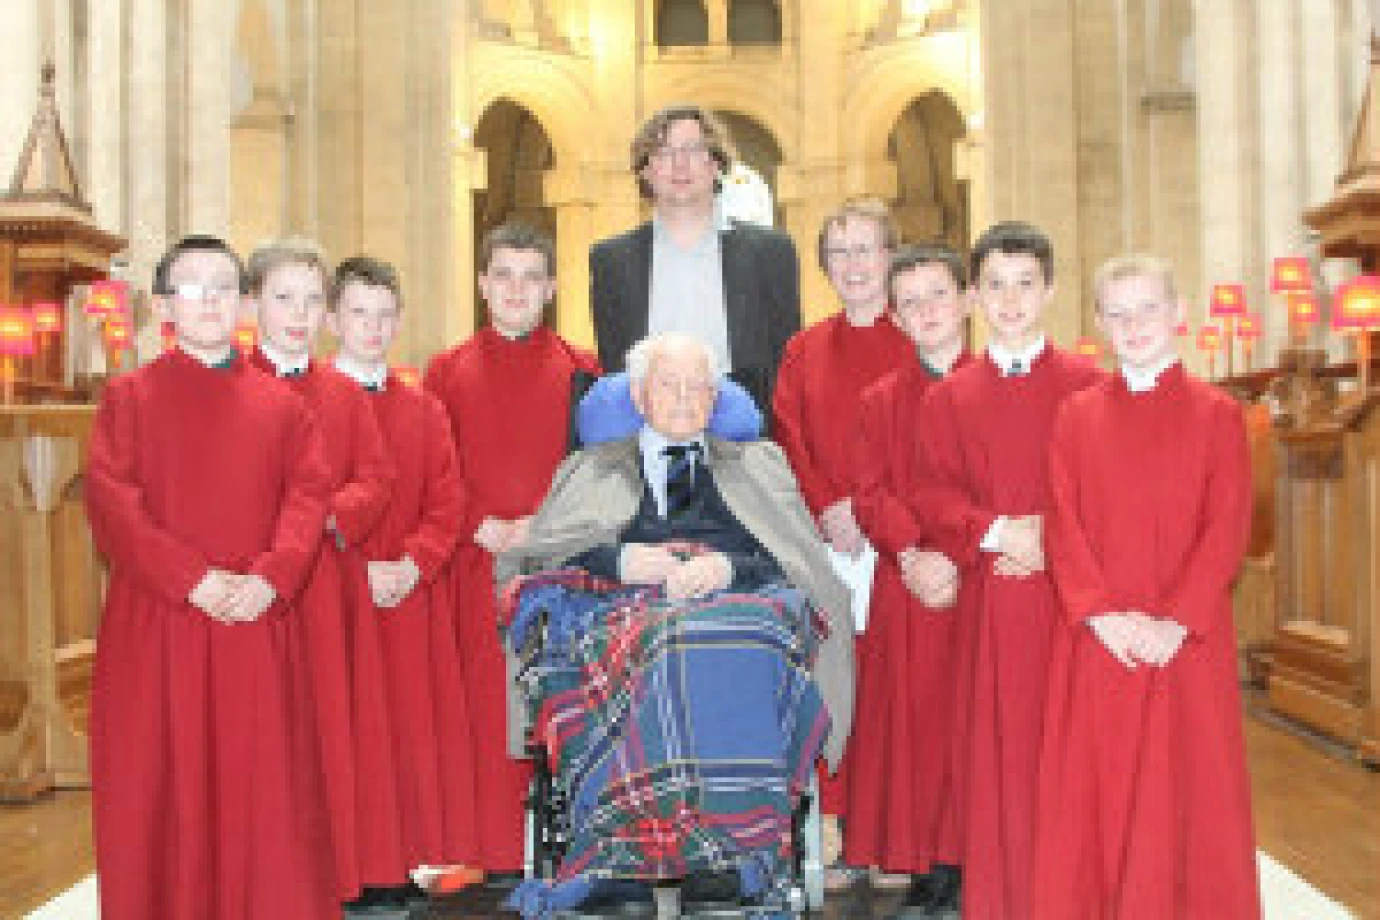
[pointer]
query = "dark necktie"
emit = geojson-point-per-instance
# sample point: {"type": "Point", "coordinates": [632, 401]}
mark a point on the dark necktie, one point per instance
{"type": "Point", "coordinates": [372, 387]}
{"type": "Point", "coordinates": [293, 374]}
{"type": "Point", "coordinates": [1018, 368]}
{"type": "Point", "coordinates": [226, 363]}
{"type": "Point", "coordinates": [680, 478]}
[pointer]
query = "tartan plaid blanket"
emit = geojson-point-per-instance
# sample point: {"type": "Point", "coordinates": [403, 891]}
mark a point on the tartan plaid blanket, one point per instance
{"type": "Point", "coordinates": [681, 731]}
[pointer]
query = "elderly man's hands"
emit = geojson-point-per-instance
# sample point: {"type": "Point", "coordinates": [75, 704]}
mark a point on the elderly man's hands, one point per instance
{"type": "Point", "coordinates": [840, 528]}
{"type": "Point", "coordinates": [651, 564]}
{"type": "Point", "coordinates": [700, 575]}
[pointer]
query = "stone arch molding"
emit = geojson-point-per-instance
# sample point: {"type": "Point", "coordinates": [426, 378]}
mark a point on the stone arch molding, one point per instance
{"type": "Point", "coordinates": [560, 100]}
{"type": "Point", "coordinates": [885, 87]}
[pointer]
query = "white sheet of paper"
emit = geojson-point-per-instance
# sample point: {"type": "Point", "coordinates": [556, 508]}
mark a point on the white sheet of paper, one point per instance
{"type": "Point", "coordinates": [856, 572]}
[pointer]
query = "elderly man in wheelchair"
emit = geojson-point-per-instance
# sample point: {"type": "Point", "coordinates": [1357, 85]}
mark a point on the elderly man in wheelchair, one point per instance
{"type": "Point", "coordinates": [684, 648]}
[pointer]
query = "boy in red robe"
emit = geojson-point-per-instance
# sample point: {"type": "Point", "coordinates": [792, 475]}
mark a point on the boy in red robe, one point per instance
{"type": "Point", "coordinates": [824, 371]}
{"type": "Point", "coordinates": [1144, 807]}
{"type": "Point", "coordinates": [987, 491]}
{"type": "Point", "coordinates": [407, 555]}
{"type": "Point", "coordinates": [287, 280]}
{"type": "Point", "coordinates": [206, 489]}
{"type": "Point", "coordinates": [508, 394]}
{"type": "Point", "coordinates": [898, 792]}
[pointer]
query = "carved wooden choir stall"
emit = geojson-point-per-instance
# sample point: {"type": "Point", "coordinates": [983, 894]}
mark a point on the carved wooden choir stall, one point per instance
{"type": "Point", "coordinates": [50, 576]}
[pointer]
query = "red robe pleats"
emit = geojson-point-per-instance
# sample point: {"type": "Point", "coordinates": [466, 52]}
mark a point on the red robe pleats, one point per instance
{"type": "Point", "coordinates": [823, 373]}
{"type": "Point", "coordinates": [205, 790]}
{"type": "Point", "coordinates": [509, 408]}
{"type": "Point", "coordinates": [1144, 807]}
{"type": "Point", "coordinates": [985, 455]}
{"type": "Point", "coordinates": [898, 800]}
{"type": "Point", "coordinates": [344, 651]}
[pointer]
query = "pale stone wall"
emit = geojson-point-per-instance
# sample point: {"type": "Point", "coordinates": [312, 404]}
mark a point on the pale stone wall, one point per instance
{"type": "Point", "coordinates": [1196, 128]}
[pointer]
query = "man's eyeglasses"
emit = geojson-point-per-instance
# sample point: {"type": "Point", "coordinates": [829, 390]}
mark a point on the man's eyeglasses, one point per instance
{"type": "Point", "coordinates": [674, 387]}
{"type": "Point", "coordinates": [859, 251]}
{"type": "Point", "coordinates": [690, 153]}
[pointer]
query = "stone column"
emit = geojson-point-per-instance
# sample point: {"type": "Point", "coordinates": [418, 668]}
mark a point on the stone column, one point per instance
{"type": "Point", "coordinates": [1279, 143]}
{"type": "Point", "coordinates": [19, 73]}
{"type": "Point", "coordinates": [148, 121]}
{"type": "Point", "coordinates": [617, 86]}
{"type": "Point", "coordinates": [718, 22]}
{"type": "Point", "coordinates": [105, 148]}
{"type": "Point", "coordinates": [1323, 118]}
{"type": "Point", "coordinates": [573, 318]}
{"type": "Point", "coordinates": [1224, 123]}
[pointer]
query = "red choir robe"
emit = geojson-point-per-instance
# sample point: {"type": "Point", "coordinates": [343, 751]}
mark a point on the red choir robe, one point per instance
{"type": "Point", "coordinates": [206, 801]}
{"type": "Point", "coordinates": [509, 407]}
{"type": "Point", "coordinates": [344, 649]}
{"type": "Point", "coordinates": [823, 373]}
{"type": "Point", "coordinates": [898, 796]}
{"type": "Point", "coordinates": [985, 454]}
{"type": "Point", "coordinates": [423, 680]}
{"type": "Point", "coordinates": [1144, 807]}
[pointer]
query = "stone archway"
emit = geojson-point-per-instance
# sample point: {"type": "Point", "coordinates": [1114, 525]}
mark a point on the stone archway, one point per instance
{"type": "Point", "coordinates": [755, 146]}
{"type": "Point", "coordinates": [518, 155]}
{"type": "Point", "coordinates": [931, 202]}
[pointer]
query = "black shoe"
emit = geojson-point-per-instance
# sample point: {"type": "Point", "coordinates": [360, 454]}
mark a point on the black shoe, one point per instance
{"type": "Point", "coordinates": [414, 895]}
{"type": "Point", "coordinates": [712, 886]}
{"type": "Point", "coordinates": [619, 898]}
{"type": "Point", "coordinates": [503, 880]}
{"type": "Point", "coordinates": [374, 899]}
{"type": "Point", "coordinates": [947, 887]}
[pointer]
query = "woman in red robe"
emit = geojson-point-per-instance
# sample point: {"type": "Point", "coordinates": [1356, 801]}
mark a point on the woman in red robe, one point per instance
{"type": "Point", "coordinates": [1144, 808]}
{"type": "Point", "coordinates": [987, 490]}
{"type": "Point", "coordinates": [823, 373]}
{"type": "Point", "coordinates": [344, 651]}
{"type": "Point", "coordinates": [898, 792]}
{"type": "Point", "coordinates": [206, 488]}
{"type": "Point", "coordinates": [508, 394]}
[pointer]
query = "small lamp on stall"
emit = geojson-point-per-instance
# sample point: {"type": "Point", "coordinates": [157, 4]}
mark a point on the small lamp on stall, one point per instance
{"type": "Point", "coordinates": [1228, 303]}
{"type": "Point", "coordinates": [1209, 343]}
{"type": "Point", "coordinates": [1292, 276]}
{"type": "Point", "coordinates": [1248, 330]}
{"type": "Point", "coordinates": [167, 336]}
{"type": "Point", "coordinates": [1303, 312]}
{"type": "Point", "coordinates": [47, 327]}
{"type": "Point", "coordinates": [246, 336]}
{"type": "Point", "coordinates": [118, 336]}
{"type": "Point", "coordinates": [1356, 308]}
{"type": "Point", "coordinates": [16, 341]}
{"type": "Point", "coordinates": [105, 299]}
{"type": "Point", "coordinates": [1090, 348]}
{"type": "Point", "coordinates": [409, 375]}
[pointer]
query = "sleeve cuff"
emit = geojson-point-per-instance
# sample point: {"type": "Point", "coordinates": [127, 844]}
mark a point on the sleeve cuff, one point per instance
{"type": "Point", "coordinates": [991, 541]}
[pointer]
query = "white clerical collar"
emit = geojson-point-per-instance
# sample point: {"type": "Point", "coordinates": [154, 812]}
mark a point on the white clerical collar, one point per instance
{"type": "Point", "coordinates": [284, 365]}
{"type": "Point", "coordinates": [1016, 363]}
{"type": "Point", "coordinates": [1143, 381]}
{"type": "Point", "coordinates": [653, 442]}
{"type": "Point", "coordinates": [369, 376]}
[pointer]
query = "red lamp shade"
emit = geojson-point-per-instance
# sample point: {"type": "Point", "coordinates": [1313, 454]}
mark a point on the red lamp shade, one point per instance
{"type": "Point", "coordinates": [107, 298]}
{"type": "Point", "coordinates": [1303, 308]}
{"type": "Point", "coordinates": [1248, 327]}
{"type": "Point", "coordinates": [409, 375]}
{"type": "Point", "coordinates": [1290, 273]}
{"type": "Point", "coordinates": [1088, 347]}
{"type": "Point", "coordinates": [246, 336]}
{"type": "Point", "coordinates": [16, 332]}
{"type": "Point", "coordinates": [118, 334]}
{"type": "Point", "coordinates": [1357, 304]}
{"type": "Point", "coordinates": [1227, 300]}
{"type": "Point", "coordinates": [47, 317]}
{"type": "Point", "coordinates": [167, 334]}
{"type": "Point", "coordinates": [1209, 338]}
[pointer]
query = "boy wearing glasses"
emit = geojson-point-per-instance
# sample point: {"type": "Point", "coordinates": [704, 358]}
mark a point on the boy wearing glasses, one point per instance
{"type": "Point", "coordinates": [287, 283]}
{"type": "Point", "coordinates": [206, 489]}
{"type": "Point", "coordinates": [731, 284]}
{"type": "Point", "coordinates": [1144, 807]}
{"type": "Point", "coordinates": [508, 393]}
{"type": "Point", "coordinates": [986, 488]}
{"type": "Point", "coordinates": [823, 374]}
{"type": "Point", "coordinates": [899, 802]}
